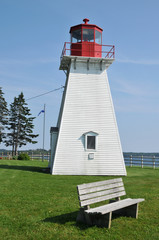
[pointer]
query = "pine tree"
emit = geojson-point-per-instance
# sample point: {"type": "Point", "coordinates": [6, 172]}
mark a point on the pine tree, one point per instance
{"type": "Point", "coordinates": [20, 125]}
{"type": "Point", "coordinates": [3, 115]}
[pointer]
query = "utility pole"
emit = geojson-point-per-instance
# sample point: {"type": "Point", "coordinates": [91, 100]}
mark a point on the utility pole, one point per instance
{"type": "Point", "coordinates": [43, 134]}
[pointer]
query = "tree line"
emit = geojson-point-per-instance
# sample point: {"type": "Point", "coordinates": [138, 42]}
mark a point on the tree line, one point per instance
{"type": "Point", "coordinates": [16, 123]}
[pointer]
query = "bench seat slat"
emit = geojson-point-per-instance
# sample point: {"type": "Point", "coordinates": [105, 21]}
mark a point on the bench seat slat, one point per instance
{"type": "Point", "coordinates": [114, 206]}
{"type": "Point", "coordinates": [99, 183]}
{"type": "Point", "coordinates": [102, 198]}
{"type": "Point", "coordinates": [100, 188]}
{"type": "Point", "coordinates": [101, 193]}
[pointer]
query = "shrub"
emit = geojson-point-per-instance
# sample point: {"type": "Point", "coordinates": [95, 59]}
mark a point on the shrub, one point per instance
{"type": "Point", "coordinates": [14, 157]}
{"type": "Point", "coordinates": [23, 156]}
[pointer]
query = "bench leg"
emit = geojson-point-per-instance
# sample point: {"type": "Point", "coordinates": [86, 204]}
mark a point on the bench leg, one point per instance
{"type": "Point", "coordinates": [99, 220]}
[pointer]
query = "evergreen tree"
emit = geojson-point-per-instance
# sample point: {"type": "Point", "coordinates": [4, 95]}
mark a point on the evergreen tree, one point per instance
{"type": "Point", "coordinates": [20, 125]}
{"type": "Point", "coordinates": [3, 115]}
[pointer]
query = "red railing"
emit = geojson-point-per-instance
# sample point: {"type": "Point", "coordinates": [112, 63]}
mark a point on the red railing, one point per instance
{"type": "Point", "coordinates": [108, 51]}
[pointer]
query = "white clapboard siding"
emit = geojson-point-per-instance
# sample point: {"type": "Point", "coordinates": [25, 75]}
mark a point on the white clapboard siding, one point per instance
{"type": "Point", "coordinates": [87, 106]}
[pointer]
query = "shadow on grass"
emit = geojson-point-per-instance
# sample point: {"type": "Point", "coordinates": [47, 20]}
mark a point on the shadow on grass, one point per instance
{"type": "Point", "coordinates": [71, 218]}
{"type": "Point", "coordinates": [66, 218]}
{"type": "Point", "coordinates": [25, 168]}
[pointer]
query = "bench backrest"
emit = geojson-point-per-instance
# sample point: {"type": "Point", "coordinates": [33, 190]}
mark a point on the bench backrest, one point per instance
{"type": "Point", "coordinates": [90, 193]}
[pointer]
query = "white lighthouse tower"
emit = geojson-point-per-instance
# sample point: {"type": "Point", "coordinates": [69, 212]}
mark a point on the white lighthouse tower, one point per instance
{"type": "Point", "coordinates": [86, 139]}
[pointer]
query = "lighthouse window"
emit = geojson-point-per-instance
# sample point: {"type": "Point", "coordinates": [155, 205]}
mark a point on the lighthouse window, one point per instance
{"type": "Point", "coordinates": [88, 35]}
{"type": "Point", "coordinates": [76, 36]}
{"type": "Point", "coordinates": [91, 139]}
{"type": "Point", "coordinates": [98, 37]}
{"type": "Point", "coordinates": [91, 144]}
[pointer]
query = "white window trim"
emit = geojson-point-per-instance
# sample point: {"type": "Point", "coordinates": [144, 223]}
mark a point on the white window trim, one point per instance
{"type": "Point", "coordinates": [91, 133]}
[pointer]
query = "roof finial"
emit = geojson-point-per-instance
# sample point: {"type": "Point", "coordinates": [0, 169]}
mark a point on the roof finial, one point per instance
{"type": "Point", "coordinates": [85, 20]}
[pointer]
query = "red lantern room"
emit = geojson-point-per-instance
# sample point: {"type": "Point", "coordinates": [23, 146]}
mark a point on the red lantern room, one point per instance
{"type": "Point", "coordinates": [86, 40]}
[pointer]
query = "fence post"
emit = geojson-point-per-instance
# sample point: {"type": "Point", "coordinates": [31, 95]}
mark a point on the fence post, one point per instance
{"type": "Point", "coordinates": [153, 159]}
{"type": "Point", "coordinates": [130, 160]}
{"type": "Point", "coordinates": [2, 155]}
{"type": "Point", "coordinates": [142, 161]}
{"type": "Point", "coordinates": [40, 155]}
{"type": "Point", "coordinates": [31, 155]}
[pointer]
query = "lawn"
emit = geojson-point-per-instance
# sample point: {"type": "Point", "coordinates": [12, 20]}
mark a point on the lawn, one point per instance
{"type": "Point", "coordinates": [36, 205]}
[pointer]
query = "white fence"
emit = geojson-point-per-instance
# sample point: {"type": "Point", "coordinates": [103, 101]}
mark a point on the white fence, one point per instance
{"type": "Point", "coordinates": [33, 156]}
{"type": "Point", "coordinates": [142, 161]}
{"type": "Point", "coordinates": [130, 160]}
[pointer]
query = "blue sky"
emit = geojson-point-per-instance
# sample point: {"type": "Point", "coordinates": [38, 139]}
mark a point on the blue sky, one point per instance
{"type": "Point", "coordinates": [32, 34]}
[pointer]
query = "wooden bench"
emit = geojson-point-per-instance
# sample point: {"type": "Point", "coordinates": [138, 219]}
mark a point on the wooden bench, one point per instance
{"type": "Point", "coordinates": [100, 191]}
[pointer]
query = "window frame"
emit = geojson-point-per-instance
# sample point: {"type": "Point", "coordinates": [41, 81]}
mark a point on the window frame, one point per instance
{"type": "Point", "coordinates": [93, 134]}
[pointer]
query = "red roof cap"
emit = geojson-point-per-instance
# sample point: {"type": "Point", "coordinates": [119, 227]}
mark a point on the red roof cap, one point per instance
{"type": "Point", "coordinates": [85, 20]}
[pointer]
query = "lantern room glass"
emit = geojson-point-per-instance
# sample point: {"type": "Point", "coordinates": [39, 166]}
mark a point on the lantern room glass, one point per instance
{"type": "Point", "coordinates": [98, 37]}
{"type": "Point", "coordinates": [88, 35]}
{"type": "Point", "coordinates": [76, 36]}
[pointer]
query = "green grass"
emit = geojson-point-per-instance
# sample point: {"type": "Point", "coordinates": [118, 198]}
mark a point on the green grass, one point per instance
{"type": "Point", "coordinates": [35, 205]}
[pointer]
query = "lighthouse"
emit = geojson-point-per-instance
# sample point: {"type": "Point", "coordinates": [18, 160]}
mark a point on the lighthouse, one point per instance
{"type": "Point", "coordinates": [86, 140]}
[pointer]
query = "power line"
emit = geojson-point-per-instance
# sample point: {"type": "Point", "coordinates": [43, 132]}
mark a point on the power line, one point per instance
{"type": "Point", "coordinates": [45, 93]}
